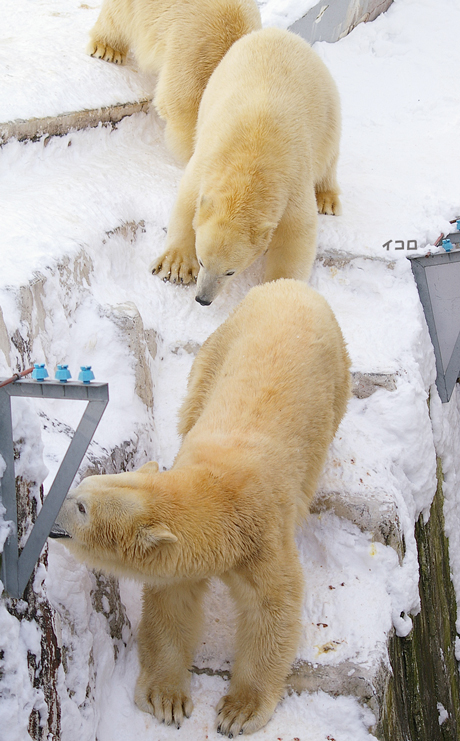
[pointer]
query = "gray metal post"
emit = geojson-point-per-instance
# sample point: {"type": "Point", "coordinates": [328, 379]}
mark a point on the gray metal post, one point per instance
{"type": "Point", "coordinates": [17, 568]}
{"type": "Point", "coordinates": [438, 279]}
{"type": "Point", "coordinates": [8, 497]}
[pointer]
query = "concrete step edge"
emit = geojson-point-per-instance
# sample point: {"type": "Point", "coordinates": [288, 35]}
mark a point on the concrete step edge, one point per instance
{"type": "Point", "coordinates": [34, 129]}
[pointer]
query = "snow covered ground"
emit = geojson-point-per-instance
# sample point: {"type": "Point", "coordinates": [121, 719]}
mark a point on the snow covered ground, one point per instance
{"type": "Point", "coordinates": [64, 207]}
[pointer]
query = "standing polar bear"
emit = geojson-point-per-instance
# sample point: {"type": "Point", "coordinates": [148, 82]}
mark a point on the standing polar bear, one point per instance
{"type": "Point", "coordinates": [265, 396]}
{"type": "Point", "coordinates": [182, 41]}
{"type": "Point", "coordinates": [265, 159]}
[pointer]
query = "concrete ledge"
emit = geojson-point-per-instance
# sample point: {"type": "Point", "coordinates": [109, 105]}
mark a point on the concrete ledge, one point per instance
{"type": "Point", "coordinates": [330, 21]}
{"type": "Point", "coordinates": [364, 385]}
{"type": "Point", "coordinates": [34, 128]}
{"type": "Point", "coordinates": [374, 514]}
{"type": "Point", "coordinates": [346, 678]}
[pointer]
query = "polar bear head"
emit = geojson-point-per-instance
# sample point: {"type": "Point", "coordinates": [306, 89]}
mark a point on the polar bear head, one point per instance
{"type": "Point", "coordinates": [226, 245]}
{"type": "Point", "coordinates": [113, 523]}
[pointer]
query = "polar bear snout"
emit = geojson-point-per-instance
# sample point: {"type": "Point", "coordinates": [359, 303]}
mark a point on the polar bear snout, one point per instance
{"type": "Point", "coordinates": [203, 301]}
{"type": "Point", "coordinates": [208, 285]}
{"type": "Point", "coordinates": [58, 532]}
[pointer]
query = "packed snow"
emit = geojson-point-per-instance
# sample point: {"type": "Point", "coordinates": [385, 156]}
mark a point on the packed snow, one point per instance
{"type": "Point", "coordinates": [65, 203]}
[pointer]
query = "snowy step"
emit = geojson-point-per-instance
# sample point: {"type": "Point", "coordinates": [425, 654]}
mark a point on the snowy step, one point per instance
{"type": "Point", "coordinates": [84, 295]}
{"type": "Point", "coordinates": [159, 325]}
{"type": "Point", "coordinates": [329, 656]}
{"type": "Point", "coordinates": [51, 85]}
{"type": "Point", "coordinates": [61, 89]}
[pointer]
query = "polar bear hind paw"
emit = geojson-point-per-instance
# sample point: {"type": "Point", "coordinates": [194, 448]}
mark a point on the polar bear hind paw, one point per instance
{"type": "Point", "coordinates": [169, 708]}
{"type": "Point", "coordinates": [238, 715]}
{"type": "Point", "coordinates": [100, 50]}
{"type": "Point", "coordinates": [328, 202]}
{"type": "Point", "coordinates": [176, 267]}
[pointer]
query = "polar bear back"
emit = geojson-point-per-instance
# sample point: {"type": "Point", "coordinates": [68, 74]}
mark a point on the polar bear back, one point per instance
{"type": "Point", "coordinates": [272, 77]}
{"type": "Point", "coordinates": [274, 376]}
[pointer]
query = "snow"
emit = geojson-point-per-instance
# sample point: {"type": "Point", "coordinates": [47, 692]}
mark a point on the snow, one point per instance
{"type": "Point", "coordinates": [17, 695]}
{"type": "Point", "coordinates": [443, 714]}
{"type": "Point", "coordinates": [283, 13]}
{"type": "Point", "coordinates": [64, 79]}
{"type": "Point", "coordinates": [46, 72]}
{"type": "Point", "coordinates": [63, 204]}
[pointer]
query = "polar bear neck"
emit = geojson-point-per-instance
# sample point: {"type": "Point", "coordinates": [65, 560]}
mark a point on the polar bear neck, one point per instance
{"type": "Point", "coordinates": [208, 509]}
{"type": "Point", "coordinates": [248, 174]}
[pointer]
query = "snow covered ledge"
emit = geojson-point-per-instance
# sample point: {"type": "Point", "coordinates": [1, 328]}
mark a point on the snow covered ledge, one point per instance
{"type": "Point", "coordinates": [358, 548]}
{"type": "Point", "coordinates": [65, 104]}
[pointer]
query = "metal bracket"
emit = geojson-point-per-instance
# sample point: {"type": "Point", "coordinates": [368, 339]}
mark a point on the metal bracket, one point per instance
{"type": "Point", "coordinates": [16, 567]}
{"type": "Point", "coordinates": [438, 279]}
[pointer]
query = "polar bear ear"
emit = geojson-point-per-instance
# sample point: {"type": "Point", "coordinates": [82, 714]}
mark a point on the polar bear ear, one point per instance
{"type": "Point", "coordinates": [205, 205]}
{"type": "Point", "coordinates": [156, 535]}
{"type": "Point", "coordinates": [266, 228]}
{"type": "Point", "coordinates": [150, 467]}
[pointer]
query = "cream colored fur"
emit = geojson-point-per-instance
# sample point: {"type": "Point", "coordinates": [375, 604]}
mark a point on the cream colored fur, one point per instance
{"type": "Point", "coordinates": [182, 41]}
{"type": "Point", "coordinates": [265, 396]}
{"type": "Point", "coordinates": [264, 162]}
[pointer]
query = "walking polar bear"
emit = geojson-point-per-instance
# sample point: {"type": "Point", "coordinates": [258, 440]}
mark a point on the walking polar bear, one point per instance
{"type": "Point", "coordinates": [182, 41]}
{"type": "Point", "coordinates": [267, 143]}
{"type": "Point", "coordinates": [266, 394]}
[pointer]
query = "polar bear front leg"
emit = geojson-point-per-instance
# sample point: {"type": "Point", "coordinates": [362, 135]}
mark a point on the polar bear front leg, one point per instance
{"type": "Point", "coordinates": [107, 40]}
{"type": "Point", "coordinates": [179, 263]}
{"type": "Point", "coordinates": [269, 605]}
{"type": "Point", "coordinates": [292, 249]}
{"type": "Point", "coordinates": [168, 635]}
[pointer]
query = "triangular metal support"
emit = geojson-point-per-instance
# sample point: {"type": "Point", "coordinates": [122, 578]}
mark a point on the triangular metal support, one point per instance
{"type": "Point", "coordinates": [438, 282]}
{"type": "Point", "coordinates": [17, 567]}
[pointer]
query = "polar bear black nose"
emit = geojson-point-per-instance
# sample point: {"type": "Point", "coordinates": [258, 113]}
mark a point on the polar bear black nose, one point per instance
{"type": "Point", "coordinates": [202, 301]}
{"type": "Point", "coordinates": [58, 532]}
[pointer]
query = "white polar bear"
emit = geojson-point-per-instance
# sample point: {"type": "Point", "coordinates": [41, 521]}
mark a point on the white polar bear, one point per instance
{"type": "Point", "coordinates": [182, 41]}
{"type": "Point", "coordinates": [265, 396]}
{"type": "Point", "coordinates": [265, 161]}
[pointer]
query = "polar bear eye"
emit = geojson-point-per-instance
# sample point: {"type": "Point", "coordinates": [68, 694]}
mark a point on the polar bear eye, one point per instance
{"type": "Point", "coordinates": [200, 264]}
{"type": "Point", "coordinates": [230, 272]}
{"type": "Point", "coordinates": [81, 508]}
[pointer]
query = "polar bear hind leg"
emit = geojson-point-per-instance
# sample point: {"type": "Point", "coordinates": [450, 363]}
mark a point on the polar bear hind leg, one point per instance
{"type": "Point", "coordinates": [327, 192]}
{"type": "Point", "coordinates": [177, 103]}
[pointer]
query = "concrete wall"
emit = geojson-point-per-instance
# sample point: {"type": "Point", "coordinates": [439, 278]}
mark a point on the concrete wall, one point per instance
{"type": "Point", "coordinates": [330, 21]}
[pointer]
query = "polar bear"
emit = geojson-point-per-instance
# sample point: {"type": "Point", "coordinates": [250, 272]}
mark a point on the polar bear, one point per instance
{"type": "Point", "coordinates": [182, 41]}
{"type": "Point", "coordinates": [265, 161]}
{"type": "Point", "coordinates": [266, 394]}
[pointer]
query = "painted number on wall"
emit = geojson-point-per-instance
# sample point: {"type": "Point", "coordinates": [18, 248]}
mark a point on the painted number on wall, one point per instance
{"type": "Point", "coordinates": [411, 244]}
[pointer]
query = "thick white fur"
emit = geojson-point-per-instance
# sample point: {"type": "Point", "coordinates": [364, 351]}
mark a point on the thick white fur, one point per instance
{"type": "Point", "coordinates": [182, 41]}
{"type": "Point", "coordinates": [264, 162]}
{"type": "Point", "coordinates": [265, 397]}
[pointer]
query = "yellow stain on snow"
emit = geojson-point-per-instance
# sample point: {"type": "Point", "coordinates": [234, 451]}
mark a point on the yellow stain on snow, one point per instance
{"type": "Point", "coordinates": [327, 647]}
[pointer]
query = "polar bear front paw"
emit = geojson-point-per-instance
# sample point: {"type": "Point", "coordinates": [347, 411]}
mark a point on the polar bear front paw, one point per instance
{"type": "Point", "coordinates": [176, 266]}
{"type": "Point", "coordinates": [167, 707]}
{"type": "Point", "coordinates": [100, 50]}
{"type": "Point", "coordinates": [242, 714]}
{"type": "Point", "coordinates": [328, 202]}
